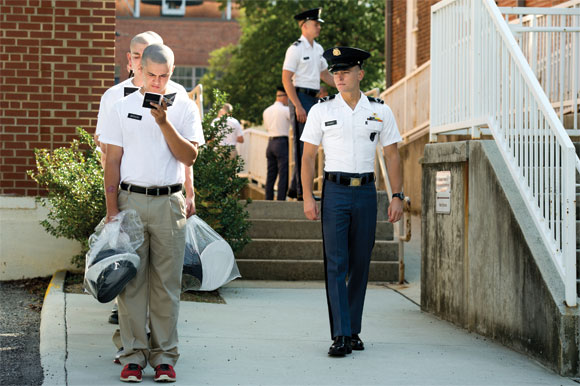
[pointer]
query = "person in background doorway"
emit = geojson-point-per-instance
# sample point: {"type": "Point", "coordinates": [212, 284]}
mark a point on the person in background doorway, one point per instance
{"type": "Point", "coordinates": [277, 123]}
{"type": "Point", "coordinates": [236, 135]}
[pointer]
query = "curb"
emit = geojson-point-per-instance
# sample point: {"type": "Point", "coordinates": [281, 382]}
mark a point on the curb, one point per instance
{"type": "Point", "coordinates": [53, 340]}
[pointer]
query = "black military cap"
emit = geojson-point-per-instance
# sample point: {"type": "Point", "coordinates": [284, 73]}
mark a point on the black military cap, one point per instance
{"type": "Point", "coordinates": [311, 14]}
{"type": "Point", "coordinates": [342, 58]}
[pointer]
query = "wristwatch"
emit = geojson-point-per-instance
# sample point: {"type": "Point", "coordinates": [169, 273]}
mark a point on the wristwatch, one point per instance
{"type": "Point", "coordinates": [400, 196]}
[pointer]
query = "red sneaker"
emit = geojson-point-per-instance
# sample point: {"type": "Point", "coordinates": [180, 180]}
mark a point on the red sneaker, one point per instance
{"type": "Point", "coordinates": [131, 373]}
{"type": "Point", "coordinates": [164, 373]}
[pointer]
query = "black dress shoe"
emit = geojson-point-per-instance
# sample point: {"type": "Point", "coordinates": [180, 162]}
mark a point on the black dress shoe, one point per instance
{"type": "Point", "coordinates": [340, 347]}
{"type": "Point", "coordinates": [292, 194]}
{"type": "Point", "coordinates": [356, 343]}
{"type": "Point", "coordinates": [114, 317]}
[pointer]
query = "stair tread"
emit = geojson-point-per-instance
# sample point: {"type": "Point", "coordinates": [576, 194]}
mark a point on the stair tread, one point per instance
{"type": "Point", "coordinates": [313, 259]}
{"type": "Point", "coordinates": [310, 240]}
{"type": "Point", "coordinates": [302, 220]}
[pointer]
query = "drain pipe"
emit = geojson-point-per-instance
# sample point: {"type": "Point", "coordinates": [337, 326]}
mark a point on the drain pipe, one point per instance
{"type": "Point", "coordinates": [389, 42]}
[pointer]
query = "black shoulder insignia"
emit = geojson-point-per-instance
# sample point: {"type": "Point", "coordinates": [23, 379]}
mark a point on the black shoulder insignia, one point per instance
{"type": "Point", "coordinates": [326, 98]}
{"type": "Point", "coordinates": [297, 42]}
{"type": "Point", "coordinates": [376, 100]}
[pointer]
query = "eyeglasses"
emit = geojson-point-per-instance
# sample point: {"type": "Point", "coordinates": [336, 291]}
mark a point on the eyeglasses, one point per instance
{"type": "Point", "coordinates": [280, 95]}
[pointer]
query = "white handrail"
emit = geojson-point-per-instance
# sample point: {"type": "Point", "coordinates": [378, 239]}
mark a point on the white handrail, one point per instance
{"type": "Point", "coordinates": [253, 152]}
{"type": "Point", "coordinates": [549, 39]}
{"type": "Point", "coordinates": [479, 76]}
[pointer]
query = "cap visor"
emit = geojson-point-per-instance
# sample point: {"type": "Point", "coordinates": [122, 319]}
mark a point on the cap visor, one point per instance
{"type": "Point", "coordinates": [341, 66]}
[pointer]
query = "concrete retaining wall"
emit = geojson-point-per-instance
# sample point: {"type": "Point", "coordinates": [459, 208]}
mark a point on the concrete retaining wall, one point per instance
{"type": "Point", "coordinates": [26, 250]}
{"type": "Point", "coordinates": [484, 266]}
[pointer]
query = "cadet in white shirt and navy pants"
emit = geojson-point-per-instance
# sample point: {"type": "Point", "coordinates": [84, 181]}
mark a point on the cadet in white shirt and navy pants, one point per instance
{"type": "Point", "coordinates": [277, 122]}
{"type": "Point", "coordinates": [349, 126]}
{"type": "Point", "coordinates": [302, 70]}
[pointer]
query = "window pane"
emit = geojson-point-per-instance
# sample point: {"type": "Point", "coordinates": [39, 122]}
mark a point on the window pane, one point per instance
{"type": "Point", "coordinates": [199, 72]}
{"type": "Point", "coordinates": [183, 76]}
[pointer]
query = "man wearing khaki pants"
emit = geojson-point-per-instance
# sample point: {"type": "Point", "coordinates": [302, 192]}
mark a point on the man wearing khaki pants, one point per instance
{"type": "Point", "coordinates": [147, 150]}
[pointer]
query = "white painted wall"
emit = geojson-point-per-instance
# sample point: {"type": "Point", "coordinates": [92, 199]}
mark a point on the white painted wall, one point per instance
{"type": "Point", "coordinates": [26, 249]}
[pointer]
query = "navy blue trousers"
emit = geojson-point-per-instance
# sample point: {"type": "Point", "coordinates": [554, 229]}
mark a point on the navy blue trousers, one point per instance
{"type": "Point", "coordinates": [277, 157]}
{"type": "Point", "coordinates": [349, 217]}
{"type": "Point", "coordinates": [298, 127]}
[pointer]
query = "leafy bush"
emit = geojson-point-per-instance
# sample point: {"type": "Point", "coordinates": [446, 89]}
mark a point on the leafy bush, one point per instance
{"type": "Point", "coordinates": [217, 184]}
{"type": "Point", "coordinates": [74, 179]}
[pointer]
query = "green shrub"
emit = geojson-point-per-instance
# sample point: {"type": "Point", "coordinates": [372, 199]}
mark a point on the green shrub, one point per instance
{"type": "Point", "coordinates": [73, 178]}
{"type": "Point", "coordinates": [217, 184]}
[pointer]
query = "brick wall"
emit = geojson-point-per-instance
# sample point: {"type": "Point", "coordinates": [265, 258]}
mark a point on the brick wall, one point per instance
{"type": "Point", "coordinates": [190, 40]}
{"type": "Point", "coordinates": [399, 40]}
{"type": "Point", "coordinates": [56, 60]}
{"type": "Point", "coordinates": [423, 39]}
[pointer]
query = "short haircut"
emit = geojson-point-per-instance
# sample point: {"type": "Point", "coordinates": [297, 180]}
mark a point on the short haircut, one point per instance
{"type": "Point", "coordinates": [158, 53]}
{"type": "Point", "coordinates": [228, 108]}
{"type": "Point", "coordinates": [148, 37]}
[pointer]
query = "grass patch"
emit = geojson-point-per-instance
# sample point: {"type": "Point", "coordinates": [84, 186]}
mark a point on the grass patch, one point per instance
{"type": "Point", "coordinates": [74, 284]}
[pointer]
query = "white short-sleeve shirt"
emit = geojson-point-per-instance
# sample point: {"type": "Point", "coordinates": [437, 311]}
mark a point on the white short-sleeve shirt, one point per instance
{"type": "Point", "coordinates": [231, 139]}
{"type": "Point", "coordinates": [277, 120]}
{"type": "Point", "coordinates": [349, 137]}
{"type": "Point", "coordinates": [306, 62]}
{"type": "Point", "coordinates": [147, 160]}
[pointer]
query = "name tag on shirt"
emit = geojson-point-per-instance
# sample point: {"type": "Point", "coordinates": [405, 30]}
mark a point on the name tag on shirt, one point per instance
{"type": "Point", "coordinates": [330, 123]}
{"type": "Point", "coordinates": [134, 116]}
{"type": "Point", "coordinates": [129, 90]}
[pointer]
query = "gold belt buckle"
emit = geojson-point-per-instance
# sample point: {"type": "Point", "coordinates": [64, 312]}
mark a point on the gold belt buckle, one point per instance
{"type": "Point", "coordinates": [355, 182]}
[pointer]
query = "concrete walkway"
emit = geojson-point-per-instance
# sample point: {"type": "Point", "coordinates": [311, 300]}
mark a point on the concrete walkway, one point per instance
{"type": "Point", "coordinates": [273, 333]}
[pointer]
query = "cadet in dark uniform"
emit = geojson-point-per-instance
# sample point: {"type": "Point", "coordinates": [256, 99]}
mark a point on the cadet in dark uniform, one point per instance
{"type": "Point", "coordinates": [349, 126]}
{"type": "Point", "coordinates": [303, 68]}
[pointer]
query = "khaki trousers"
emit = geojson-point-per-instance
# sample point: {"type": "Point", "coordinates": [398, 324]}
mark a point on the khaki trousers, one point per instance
{"type": "Point", "coordinates": [157, 285]}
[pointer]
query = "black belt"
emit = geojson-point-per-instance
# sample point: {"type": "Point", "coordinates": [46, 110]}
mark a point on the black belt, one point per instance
{"type": "Point", "coordinates": [350, 179]}
{"type": "Point", "coordinates": [307, 91]}
{"type": "Point", "coordinates": [160, 191]}
{"type": "Point", "coordinates": [280, 137]}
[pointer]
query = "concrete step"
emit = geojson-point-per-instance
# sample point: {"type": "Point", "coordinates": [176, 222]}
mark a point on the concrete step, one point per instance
{"type": "Point", "coordinates": [294, 210]}
{"type": "Point", "coordinates": [303, 229]}
{"type": "Point", "coordinates": [287, 210]}
{"type": "Point", "coordinates": [255, 269]}
{"type": "Point", "coordinates": [269, 249]}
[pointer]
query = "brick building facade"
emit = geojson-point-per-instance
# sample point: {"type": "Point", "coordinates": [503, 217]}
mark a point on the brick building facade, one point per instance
{"type": "Point", "coordinates": [192, 37]}
{"type": "Point", "coordinates": [56, 60]}
{"type": "Point", "coordinates": [398, 65]}
{"type": "Point", "coordinates": [57, 57]}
